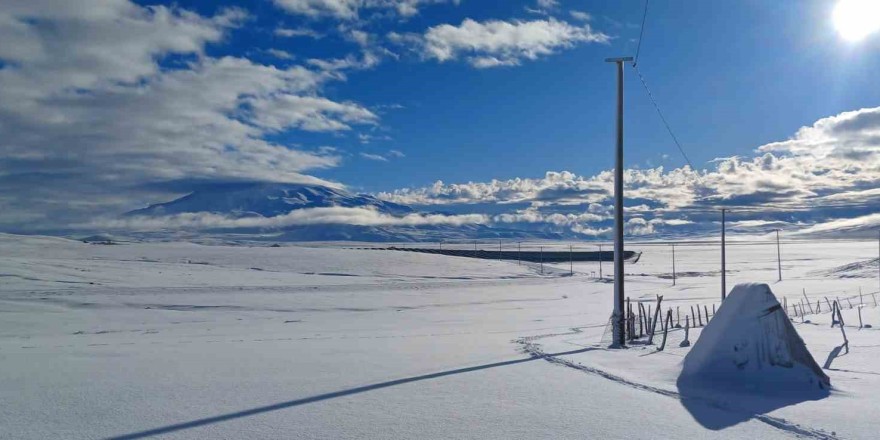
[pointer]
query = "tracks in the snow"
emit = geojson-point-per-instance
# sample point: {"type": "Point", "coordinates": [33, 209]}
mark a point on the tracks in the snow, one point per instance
{"type": "Point", "coordinates": [532, 348]}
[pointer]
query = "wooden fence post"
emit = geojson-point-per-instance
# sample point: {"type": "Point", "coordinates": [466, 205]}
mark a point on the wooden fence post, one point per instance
{"type": "Point", "coordinates": [666, 325]}
{"type": "Point", "coordinates": [654, 320]}
{"type": "Point", "coordinates": [842, 330]}
{"type": "Point", "coordinates": [808, 301]}
{"type": "Point", "coordinates": [687, 328]}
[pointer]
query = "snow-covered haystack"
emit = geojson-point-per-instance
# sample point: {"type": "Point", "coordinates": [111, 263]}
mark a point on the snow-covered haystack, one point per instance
{"type": "Point", "coordinates": [751, 344]}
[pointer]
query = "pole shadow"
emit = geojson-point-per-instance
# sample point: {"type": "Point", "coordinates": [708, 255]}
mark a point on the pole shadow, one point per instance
{"type": "Point", "coordinates": [321, 397]}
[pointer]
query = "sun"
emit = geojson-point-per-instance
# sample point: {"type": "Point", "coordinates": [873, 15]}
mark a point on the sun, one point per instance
{"type": "Point", "coordinates": [856, 19]}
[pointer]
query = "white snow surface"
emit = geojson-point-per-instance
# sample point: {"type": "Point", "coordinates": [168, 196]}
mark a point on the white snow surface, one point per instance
{"type": "Point", "coordinates": [189, 341]}
{"type": "Point", "coordinates": [751, 344]}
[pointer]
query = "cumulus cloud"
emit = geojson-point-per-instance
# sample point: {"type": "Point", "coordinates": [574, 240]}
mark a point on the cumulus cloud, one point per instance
{"type": "Point", "coordinates": [94, 120]}
{"type": "Point", "coordinates": [496, 43]}
{"type": "Point", "coordinates": [827, 170]}
{"type": "Point", "coordinates": [309, 216]}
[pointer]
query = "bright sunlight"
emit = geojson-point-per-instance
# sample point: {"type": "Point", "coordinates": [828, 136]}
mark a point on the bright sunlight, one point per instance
{"type": "Point", "coordinates": [856, 19]}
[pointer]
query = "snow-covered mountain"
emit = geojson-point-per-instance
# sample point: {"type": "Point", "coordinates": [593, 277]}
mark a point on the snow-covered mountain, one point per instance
{"type": "Point", "coordinates": [267, 200]}
{"type": "Point", "coordinates": [276, 199]}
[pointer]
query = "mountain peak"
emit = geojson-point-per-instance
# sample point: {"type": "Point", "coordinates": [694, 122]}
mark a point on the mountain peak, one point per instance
{"type": "Point", "coordinates": [267, 200]}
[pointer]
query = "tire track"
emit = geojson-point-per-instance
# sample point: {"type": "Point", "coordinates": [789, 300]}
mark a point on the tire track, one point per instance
{"type": "Point", "coordinates": [529, 346]}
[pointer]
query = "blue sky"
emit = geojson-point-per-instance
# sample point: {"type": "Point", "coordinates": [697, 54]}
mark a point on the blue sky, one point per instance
{"type": "Point", "coordinates": [730, 76]}
{"type": "Point", "coordinates": [118, 104]}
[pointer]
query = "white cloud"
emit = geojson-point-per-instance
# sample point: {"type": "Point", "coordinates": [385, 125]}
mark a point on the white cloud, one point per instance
{"type": "Point", "coordinates": [350, 9]}
{"type": "Point", "coordinates": [543, 7]}
{"type": "Point", "coordinates": [375, 157]}
{"type": "Point", "coordinates": [310, 113]}
{"type": "Point", "coordinates": [93, 123]}
{"type": "Point", "coordinates": [280, 54]}
{"type": "Point", "coordinates": [301, 217]}
{"type": "Point", "coordinates": [498, 43]}
{"type": "Point", "coordinates": [866, 225]}
{"type": "Point", "coordinates": [392, 154]}
{"type": "Point", "coordinates": [580, 15]}
{"type": "Point", "coordinates": [298, 32]}
{"type": "Point", "coordinates": [342, 9]}
{"type": "Point", "coordinates": [826, 170]}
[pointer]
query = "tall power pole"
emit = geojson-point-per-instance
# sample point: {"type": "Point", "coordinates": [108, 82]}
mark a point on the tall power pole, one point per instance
{"type": "Point", "coordinates": [778, 255]}
{"type": "Point", "coordinates": [600, 262]}
{"type": "Point", "coordinates": [673, 264]}
{"type": "Point", "coordinates": [618, 340]}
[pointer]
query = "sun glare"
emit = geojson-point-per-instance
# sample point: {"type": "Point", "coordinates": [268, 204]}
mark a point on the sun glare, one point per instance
{"type": "Point", "coordinates": [856, 19]}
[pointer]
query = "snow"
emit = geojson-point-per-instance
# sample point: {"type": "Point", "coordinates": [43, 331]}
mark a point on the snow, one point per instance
{"type": "Point", "coordinates": [193, 341]}
{"type": "Point", "coordinates": [751, 344]}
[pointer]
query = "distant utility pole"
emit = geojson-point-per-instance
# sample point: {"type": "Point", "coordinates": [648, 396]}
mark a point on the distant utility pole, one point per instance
{"type": "Point", "coordinates": [723, 256]}
{"type": "Point", "coordinates": [618, 340]}
{"type": "Point", "coordinates": [499, 249]}
{"type": "Point", "coordinates": [600, 262]}
{"type": "Point", "coordinates": [673, 264]}
{"type": "Point", "coordinates": [778, 255]}
{"type": "Point", "coordinates": [570, 261]}
{"type": "Point", "coordinates": [518, 252]}
{"type": "Point", "coordinates": [542, 259]}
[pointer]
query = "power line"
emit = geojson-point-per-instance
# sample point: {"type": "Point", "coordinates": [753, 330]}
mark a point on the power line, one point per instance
{"type": "Point", "coordinates": [641, 33]}
{"type": "Point", "coordinates": [663, 118]}
{"type": "Point", "coordinates": [651, 95]}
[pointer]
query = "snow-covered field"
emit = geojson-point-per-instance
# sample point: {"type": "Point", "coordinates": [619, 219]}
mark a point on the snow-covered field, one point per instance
{"type": "Point", "coordinates": [191, 341]}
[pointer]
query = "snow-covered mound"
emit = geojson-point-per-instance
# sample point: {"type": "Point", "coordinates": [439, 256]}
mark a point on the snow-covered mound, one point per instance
{"type": "Point", "coordinates": [751, 344]}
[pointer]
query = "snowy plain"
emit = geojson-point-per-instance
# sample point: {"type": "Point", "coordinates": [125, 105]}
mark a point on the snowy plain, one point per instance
{"type": "Point", "coordinates": [189, 341]}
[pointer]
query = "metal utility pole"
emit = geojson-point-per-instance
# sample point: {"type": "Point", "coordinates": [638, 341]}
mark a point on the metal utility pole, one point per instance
{"type": "Point", "coordinates": [618, 339]}
{"type": "Point", "coordinates": [600, 262]}
{"type": "Point", "coordinates": [723, 256]}
{"type": "Point", "coordinates": [778, 255]}
{"type": "Point", "coordinates": [673, 264]}
{"type": "Point", "coordinates": [570, 261]}
{"type": "Point", "coordinates": [518, 252]}
{"type": "Point", "coordinates": [499, 249]}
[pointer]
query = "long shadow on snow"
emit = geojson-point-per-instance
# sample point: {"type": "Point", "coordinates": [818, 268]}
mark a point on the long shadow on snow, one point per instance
{"type": "Point", "coordinates": [320, 397]}
{"type": "Point", "coordinates": [703, 400]}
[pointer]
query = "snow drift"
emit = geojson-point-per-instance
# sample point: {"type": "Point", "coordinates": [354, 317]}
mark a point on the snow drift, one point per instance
{"type": "Point", "coordinates": [751, 344]}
